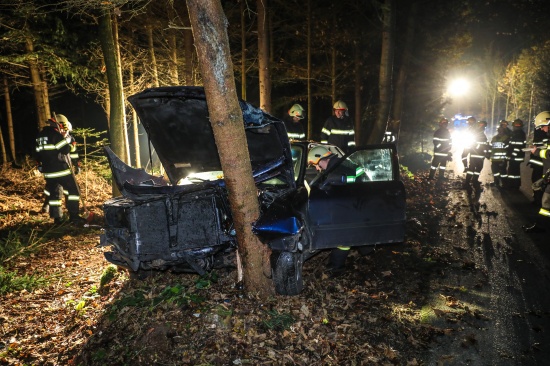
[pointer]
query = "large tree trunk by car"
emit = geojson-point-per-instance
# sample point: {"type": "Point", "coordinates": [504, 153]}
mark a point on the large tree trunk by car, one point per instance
{"type": "Point", "coordinates": [209, 24]}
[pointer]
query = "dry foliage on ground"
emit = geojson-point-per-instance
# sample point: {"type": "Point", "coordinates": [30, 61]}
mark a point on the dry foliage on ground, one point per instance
{"type": "Point", "coordinates": [87, 313]}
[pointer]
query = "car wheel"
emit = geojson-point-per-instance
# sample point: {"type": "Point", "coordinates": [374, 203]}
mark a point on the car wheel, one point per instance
{"type": "Point", "coordinates": [287, 272]}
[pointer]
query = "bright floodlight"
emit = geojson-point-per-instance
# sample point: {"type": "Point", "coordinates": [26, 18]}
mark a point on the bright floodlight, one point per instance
{"type": "Point", "coordinates": [458, 87]}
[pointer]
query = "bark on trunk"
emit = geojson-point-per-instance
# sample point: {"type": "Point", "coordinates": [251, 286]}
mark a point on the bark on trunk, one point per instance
{"type": "Point", "coordinates": [152, 57]}
{"type": "Point", "coordinates": [243, 51]}
{"type": "Point", "coordinates": [210, 33]}
{"type": "Point", "coordinates": [357, 74]}
{"type": "Point", "coordinates": [263, 57]}
{"type": "Point", "coordinates": [37, 86]}
{"type": "Point", "coordinates": [114, 78]}
{"type": "Point", "coordinates": [400, 85]}
{"type": "Point", "coordinates": [9, 118]}
{"type": "Point", "coordinates": [386, 64]}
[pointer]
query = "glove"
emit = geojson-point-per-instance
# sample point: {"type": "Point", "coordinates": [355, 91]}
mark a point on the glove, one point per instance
{"type": "Point", "coordinates": [39, 168]}
{"type": "Point", "coordinates": [76, 170]}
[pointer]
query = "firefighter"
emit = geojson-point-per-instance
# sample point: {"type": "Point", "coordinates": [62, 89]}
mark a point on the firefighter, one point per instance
{"type": "Point", "coordinates": [497, 151]}
{"type": "Point", "coordinates": [442, 149]}
{"type": "Point", "coordinates": [65, 128]}
{"type": "Point", "coordinates": [542, 121]}
{"type": "Point", "coordinates": [478, 152]}
{"type": "Point", "coordinates": [52, 150]}
{"type": "Point", "coordinates": [540, 140]}
{"type": "Point", "coordinates": [339, 128]}
{"type": "Point", "coordinates": [515, 154]}
{"type": "Point", "coordinates": [504, 124]}
{"type": "Point", "coordinates": [293, 123]}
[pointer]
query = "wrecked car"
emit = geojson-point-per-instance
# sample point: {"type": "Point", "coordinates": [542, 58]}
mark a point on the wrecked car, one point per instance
{"type": "Point", "coordinates": [184, 223]}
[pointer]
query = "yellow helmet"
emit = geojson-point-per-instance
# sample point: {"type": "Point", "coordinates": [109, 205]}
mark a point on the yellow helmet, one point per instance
{"type": "Point", "coordinates": [542, 119]}
{"type": "Point", "coordinates": [340, 105]}
{"type": "Point", "coordinates": [296, 111]}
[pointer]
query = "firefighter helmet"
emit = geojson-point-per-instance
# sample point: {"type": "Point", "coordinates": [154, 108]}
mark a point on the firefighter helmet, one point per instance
{"type": "Point", "coordinates": [340, 105]}
{"type": "Point", "coordinates": [317, 153]}
{"type": "Point", "coordinates": [503, 123]}
{"type": "Point", "coordinates": [443, 121]}
{"type": "Point", "coordinates": [482, 124]}
{"type": "Point", "coordinates": [296, 111]}
{"type": "Point", "coordinates": [542, 119]}
{"type": "Point", "coordinates": [69, 126]}
{"type": "Point", "coordinates": [517, 123]}
{"type": "Point", "coordinates": [471, 120]}
{"type": "Point", "coordinates": [63, 121]}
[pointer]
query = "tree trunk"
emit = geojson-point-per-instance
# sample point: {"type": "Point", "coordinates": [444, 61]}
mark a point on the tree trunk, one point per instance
{"type": "Point", "coordinates": [263, 57]}
{"type": "Point", "coordinates": [357, 75]}
{"type": "Point", "coordinates": [173, 44]}
{"type": "Point", "coordinates": [333, 75]}
{"type": "Point", "coordinates": [37, 86]}
{"type": "Point", "coordinates": [386, 64]}
{"type": "Point", "coordinates": [3, 148]}
{"type": "Point", "coordinates": [152, 57]}
{"type": "Point", "coordinates": [189, 46]}
{"type": "Point", "coordinates": [45, 92]}
{"type": "Point", "coordinates": [9, 118]}
{"type": "Point", "coordinates": [135, 127]}
{"type": "Point", "coordinates": [403, 71]}
{"type": "Point", "coordinates": [243, 51]}
{"type": "Point", "coordinates": [209, 30]}
{"type": "Point", "coordinates": [309, 97]}
{"type": "Point", "coordinates": [114, 78]}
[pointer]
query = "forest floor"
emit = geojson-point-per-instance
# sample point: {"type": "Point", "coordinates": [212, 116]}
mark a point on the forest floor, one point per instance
{"type": "Point", "coordinates": [63, 304]}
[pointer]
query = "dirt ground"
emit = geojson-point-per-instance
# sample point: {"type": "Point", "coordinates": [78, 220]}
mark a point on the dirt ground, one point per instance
{"type": "Point", "coordinates": [393, 307]}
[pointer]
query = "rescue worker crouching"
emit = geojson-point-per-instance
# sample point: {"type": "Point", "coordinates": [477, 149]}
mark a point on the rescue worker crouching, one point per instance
{"type": "Point", "coordinates": [53, 154]}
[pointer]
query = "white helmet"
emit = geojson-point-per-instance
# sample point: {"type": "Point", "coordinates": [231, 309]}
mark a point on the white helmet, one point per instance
{"type": "Point", "coordinates": [542, 119]}
{"type": "Point", "coordinates": [63, 121]}
{"type": "Point", "coordinates": [316, 154]}
{"type": "Point", "coordinates": [296, 111]}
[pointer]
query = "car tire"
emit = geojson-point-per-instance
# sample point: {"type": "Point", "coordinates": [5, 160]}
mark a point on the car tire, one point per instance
{"type": "Point", "coordinates": [287, 272]}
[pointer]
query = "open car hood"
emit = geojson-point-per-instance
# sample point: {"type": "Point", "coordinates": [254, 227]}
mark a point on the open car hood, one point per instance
{"type": "Point", "coordinates": [177, 123]}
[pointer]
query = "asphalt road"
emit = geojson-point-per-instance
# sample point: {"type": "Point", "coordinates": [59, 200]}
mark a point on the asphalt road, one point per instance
{"type": "Point", "coordinates": [505, 276]}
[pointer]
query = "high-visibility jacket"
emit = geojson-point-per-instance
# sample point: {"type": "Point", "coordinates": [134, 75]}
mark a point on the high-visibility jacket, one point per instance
{"type": "Point", "coordinates": [52, 152]}
{"type": "Point", "coordinates": [340, 132]}
{"type": "Point", "coordinates": [540, 140]}
{"type": "Point", "coordinates": [442, 142]}
{"type": "Point", "coordinates": [294, 130]}
{"type": "Point", "coordinates": [516, 144]}
{"type": "Point", "coordinates": [498, 148]}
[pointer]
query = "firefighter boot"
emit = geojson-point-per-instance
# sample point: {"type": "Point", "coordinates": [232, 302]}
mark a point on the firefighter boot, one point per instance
{"type": "Point", "coordinates": [337, 261]}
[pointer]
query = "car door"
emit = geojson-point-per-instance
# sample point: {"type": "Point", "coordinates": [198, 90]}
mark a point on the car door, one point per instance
{"type": "Point", "coordinates": [358, 201]}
